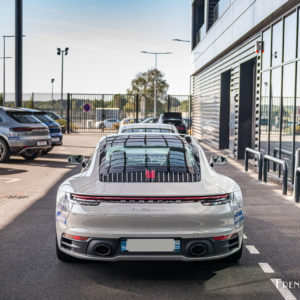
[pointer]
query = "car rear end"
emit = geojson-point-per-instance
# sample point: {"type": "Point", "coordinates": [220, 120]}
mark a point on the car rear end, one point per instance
{"type": "Point", "coordinates": [23, 132]}
{"type": "Point", "coordinates": [149, 200]}
{"type": "Point", "coordinates": [54, 128]}
{"type": "Point", "coordinates": [175, 119]}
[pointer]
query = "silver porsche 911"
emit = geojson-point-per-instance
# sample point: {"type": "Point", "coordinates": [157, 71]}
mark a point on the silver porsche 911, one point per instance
{"type": "Point", "coordinates": [149, 197]}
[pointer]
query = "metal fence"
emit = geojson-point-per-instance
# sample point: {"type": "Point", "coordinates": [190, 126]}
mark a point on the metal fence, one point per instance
{"type": "Point", "coordinates": [105, 112]}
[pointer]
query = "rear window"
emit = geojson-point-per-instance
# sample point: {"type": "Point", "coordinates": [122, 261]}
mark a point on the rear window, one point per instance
{"type": "Point", "coordinates": [43, 117]}
{"type": "Point", "coordinates": [164, 130]}
{"type": "Point", "coordinates": [139, 153]}
{"type": "Point", "coordinates": [23, 117]}
{"type": "Point", "coordinates": [172, 115]}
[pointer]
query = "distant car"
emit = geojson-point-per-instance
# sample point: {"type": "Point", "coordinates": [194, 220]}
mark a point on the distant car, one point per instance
{"type": "Point", "coordinates": [22, 134]}
{"type": "Point", "coordinates": [146, 127]}
{"type": "Point", "coordinates": [126, 121]}
{"type": "Point", "coordinates": [108, 123]}
{"type": "Point", "coordinates": [57, 118]}
{"type": "Point", "coordinates": [54, 116]}
{"type": "Point", "coordinates": [149, 197]}
{"type": "Point", "coordinates": [173, 118]}
{"type": "Point", "coordinates": [54, 127]}
{"type": "Point", "coordinates": [150, 120]}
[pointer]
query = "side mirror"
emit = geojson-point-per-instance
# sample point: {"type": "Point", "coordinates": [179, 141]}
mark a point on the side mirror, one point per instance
{"type": "Point", "coordinates": [217, 160]}
{"type": "Point", "coordinates": [76, 159]}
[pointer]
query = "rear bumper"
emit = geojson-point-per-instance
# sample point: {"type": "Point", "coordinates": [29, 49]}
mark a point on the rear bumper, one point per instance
{"type": "Point", "coordinates": [21, 145]}
{"type": "Point", "coordinates": [215, 249]}
{"type": "Point", "coordinates": [56, 139]}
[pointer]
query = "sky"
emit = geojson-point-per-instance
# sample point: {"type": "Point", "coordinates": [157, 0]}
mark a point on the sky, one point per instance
{"type": "Point", "coordinates": [105, 38]}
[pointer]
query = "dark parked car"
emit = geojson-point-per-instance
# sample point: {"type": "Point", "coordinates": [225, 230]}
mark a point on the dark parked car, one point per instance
{"type": "Point", "coordinates": [173, 118]}
{"type": "Point", "coordinates": [54, 128]}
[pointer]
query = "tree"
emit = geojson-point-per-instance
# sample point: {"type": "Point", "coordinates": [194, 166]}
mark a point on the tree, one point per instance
{"type": "Point", "coordinates": [143, 85]}
{"type": "Point", "coordinates": [1, 100]}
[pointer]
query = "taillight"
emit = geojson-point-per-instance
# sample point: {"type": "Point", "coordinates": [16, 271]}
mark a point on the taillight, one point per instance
{"type": "Point", "coordinates": [86, 200]}
{"type": "Point", "coordinates": [75, 237]}
{"type": "Point", "coordinates": [225, 237]}
{"type": "Point", "coordinates": [26, 129]}
{"type": "Point", "coordinates": [216, 200]}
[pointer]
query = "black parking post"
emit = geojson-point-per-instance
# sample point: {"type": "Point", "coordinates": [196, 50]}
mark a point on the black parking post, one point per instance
{"type": "Point", "coordinates": [68, 113]}
{"type": "Point", "coordinates": [297, 185]}
{"type": "Point", "coordinates": [284, 166]}
{"type": "Point", "coordinates": [259, 158]}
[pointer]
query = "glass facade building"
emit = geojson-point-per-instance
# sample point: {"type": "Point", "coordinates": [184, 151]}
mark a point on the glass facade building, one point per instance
{"type": "Point", "coordinates": [279, 132]}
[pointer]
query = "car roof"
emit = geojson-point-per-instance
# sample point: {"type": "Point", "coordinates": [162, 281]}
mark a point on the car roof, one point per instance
{"type": "Point", "coordinates": [5, 108]}
{"type": "Point", "coordinates": [31, 110]}
{"type": "Point", "coordinates": [147, 125]}
{"type": "Point", "coordinates": [135, 139]}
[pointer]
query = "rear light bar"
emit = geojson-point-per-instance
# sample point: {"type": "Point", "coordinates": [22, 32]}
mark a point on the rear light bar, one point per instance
{"type": "Point", "coordinates": [84, 199]}
{"type": "Point", "coordinates": [225, 237]}
{"type": "Point", "coordinates": [75, 237]}
{"type": "Point", "coordinates": [26, 129]}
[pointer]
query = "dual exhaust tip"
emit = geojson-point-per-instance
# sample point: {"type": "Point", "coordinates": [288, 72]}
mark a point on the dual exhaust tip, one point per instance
{"type": "Point", "coordinates": [196, 249]}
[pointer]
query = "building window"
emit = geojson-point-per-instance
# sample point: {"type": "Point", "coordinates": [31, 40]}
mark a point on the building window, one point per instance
{"type": "Point", "coordinates": [277, 44]}
{"type": "Point", "coordinates": [298, 34]}
{"type": "Point", "coordinates": [290, 24]}
{"type": "Point", "coordinates": [266, 59]}
{"type": "Point", "coordinates": [288, 92]}
{"type": "Point", "coordinates": [275, 97]}
{"type": "Point", "coordinates": [197, 22]}
{"type": "Point", "coordinates": [297, 129]}
{"type": "Point", "coordinates": [264, 112]}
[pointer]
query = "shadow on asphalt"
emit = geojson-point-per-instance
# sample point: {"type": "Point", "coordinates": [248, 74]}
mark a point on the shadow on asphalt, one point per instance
{"type": "Point", "coordinates": [9, 171]}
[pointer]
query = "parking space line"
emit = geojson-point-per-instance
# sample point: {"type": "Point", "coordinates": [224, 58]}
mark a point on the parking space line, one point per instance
{"type": "Point", "coordinates": [283, 290]}
{"type": "Point", "coordinates": [10, 180]}
{"type": "Point", "coordinates": [244, 236]}
{"type": "Point", "coordinates": [266, 267]}
{"type": "Point", "coordinates": [252, 249]}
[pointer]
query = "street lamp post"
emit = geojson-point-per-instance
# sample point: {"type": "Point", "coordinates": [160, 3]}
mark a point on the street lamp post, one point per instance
{"type": "Point", "coordinates": [62, 53]}
{"type": "Point", "coordinates": [52, 100]}
{"type": "Point", "coordinates": [3, 95]}
{"type": "Point", "coordinates": [155, 88]}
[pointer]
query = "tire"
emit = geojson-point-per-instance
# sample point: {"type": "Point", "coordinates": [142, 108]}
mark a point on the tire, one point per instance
{"type": "Point", "coordinates": [63, 256]}
{"type": "Point", "coordinates": [44, 152]}
{"type": "Point", "coordinates": [235, 257]}
{"type": "Point", "coordinates": [30, 155]}
{"type": "Point", "coordinates": [4, 151]}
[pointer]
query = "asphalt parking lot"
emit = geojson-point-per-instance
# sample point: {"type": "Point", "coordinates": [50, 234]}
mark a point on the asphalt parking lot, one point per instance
{"type": "Point", "coordinates": [29, 268]}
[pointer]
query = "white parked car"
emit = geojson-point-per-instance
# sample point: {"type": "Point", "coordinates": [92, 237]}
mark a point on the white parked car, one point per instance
{"type": "Point", "coordinates": [146, 127]}
{"type": "Point", "coordinates": [149, 197]}
{"type": "Point", "coordinates": [108, 123]}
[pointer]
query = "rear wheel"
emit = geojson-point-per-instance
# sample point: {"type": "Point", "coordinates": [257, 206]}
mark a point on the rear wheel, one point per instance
{"type": "Point", "coordinates": [30, 155]}
{"type": "Point", "coordinates": [47, 151]}
{"type": "Point", "coordinates": [63, 256]}
{"type": "Point", "coordinates": [4, 151]}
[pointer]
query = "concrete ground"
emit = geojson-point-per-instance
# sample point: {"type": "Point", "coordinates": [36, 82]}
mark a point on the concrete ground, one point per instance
{"type": "Point", "coordinates": [29, 268]}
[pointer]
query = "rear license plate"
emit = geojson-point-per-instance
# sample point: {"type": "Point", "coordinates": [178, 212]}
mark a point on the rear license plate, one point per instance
{"type": "Point", "coordinates": [55, 139]}
{"type": "Point", "coordinates": [42, 143]}
{"type": "Point", "coordinates": [150, 245]}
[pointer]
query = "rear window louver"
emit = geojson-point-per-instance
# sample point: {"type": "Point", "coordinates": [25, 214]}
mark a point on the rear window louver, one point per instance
{"type": "Point", "coordinates": [141, 177]}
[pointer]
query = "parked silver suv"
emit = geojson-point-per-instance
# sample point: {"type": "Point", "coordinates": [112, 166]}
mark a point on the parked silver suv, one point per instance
{"type": "Point", "coordinates": [21, 134]}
